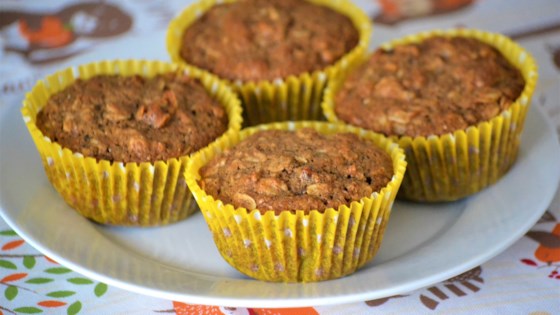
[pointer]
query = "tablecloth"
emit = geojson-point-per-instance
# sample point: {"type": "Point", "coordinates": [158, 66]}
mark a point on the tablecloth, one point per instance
{"type": "Point", "coordinates": [524, 279]}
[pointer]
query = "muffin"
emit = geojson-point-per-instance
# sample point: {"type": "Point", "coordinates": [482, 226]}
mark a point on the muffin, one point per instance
{"type": "Point", "coordinates": [115, 136]}
{"type": "Point", "coordinates": [454, 100]}
{"type": "Point", "coordinates": [278, 54]}
{"type": "Point", "coordinates": [297, 202]}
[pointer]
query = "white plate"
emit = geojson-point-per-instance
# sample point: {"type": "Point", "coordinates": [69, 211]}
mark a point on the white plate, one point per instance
{"type": "Point", "coordinates": [424, 244]}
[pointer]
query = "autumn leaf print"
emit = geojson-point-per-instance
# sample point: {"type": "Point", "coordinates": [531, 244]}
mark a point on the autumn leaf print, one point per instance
{"type": "Point", "coordinates": [13, 277]}
{"type": "Point", "coordinates": [51, 303]}
{"type": "Point", "coordinates": [12, 245]}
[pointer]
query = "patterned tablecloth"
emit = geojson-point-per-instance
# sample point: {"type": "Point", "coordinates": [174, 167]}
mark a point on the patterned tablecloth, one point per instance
{"type": "Point", "coordinates": [524, 279]}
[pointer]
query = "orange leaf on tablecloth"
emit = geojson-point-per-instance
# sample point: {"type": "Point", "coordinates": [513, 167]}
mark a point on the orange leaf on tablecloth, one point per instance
{"type": "Point", "coordinates": [13, 277]}
{"type": "Point", "coordinates": [187, 309]}
{"type": "Point", "coordinates": [13, 244]}
{"type": "Point", "coordinates": [51, 303]}
{"type": "Point", "coordinates": [51, 260]}
{"type": "Point", "coordinates": [286, 311]}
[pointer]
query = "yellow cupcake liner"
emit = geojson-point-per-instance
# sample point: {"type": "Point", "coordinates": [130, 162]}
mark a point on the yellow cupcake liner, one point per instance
{"type": "Point", "coordinates": [459, 164]}
{"type": "Point", "coordinates": [297, 97]}
{"type": "Point", "coordinates": [298, 245]}
{"type": "Point", "coordinates": [117, 193]}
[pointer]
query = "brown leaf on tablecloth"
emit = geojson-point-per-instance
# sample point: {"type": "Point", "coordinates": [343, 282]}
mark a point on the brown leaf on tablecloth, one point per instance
{"type": "Point", "coordinates": [457, 286]}
{"type": "Point", "coordinates": [547, 216]}
{"type": "Point", "coordinates": [545, 239]}
{"type": "Point", "coordinates": [377, 302]}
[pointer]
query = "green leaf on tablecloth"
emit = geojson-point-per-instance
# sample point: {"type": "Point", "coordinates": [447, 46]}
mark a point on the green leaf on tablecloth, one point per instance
{"type": "Point", "coordinates": [11, 292]}
{"type": "Point", "coordinates": [28, 310]}
{"type": "Point", "coordinates": [8, 233]}
{"type": "Point", "coordinates": [58, 270]}
{"type": "Point", "coordinates": [39, 280]}
{"type": "Point", "coordinates": [100, 289]}
{"type": "Point", "coordinates": [80, 281]}
{"type": "Point", "coordinates": [7, 264]}
{"type": "Point", "coordinates": [29, 262]}
{"type": "Point", "coordinates": [74, 308]}
{"type": "Point", "coordinates": [61, 294]}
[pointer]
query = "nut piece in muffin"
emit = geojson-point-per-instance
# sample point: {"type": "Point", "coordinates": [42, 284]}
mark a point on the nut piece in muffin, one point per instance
{"type": "Point", "coordinates": [434, 87]}
{"type": "Point", "coordinates": [279, 170]}
{"type": "Point", "coordinates": [267, 39]}
{"type": "Point", "coordinates": [133, 118]}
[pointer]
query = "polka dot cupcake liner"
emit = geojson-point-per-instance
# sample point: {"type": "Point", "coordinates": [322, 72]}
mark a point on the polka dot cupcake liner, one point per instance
{"type": "Point", "coordinates": [117, 193]}
{"type": "Point", "coordinates": [298, 246]}
{"type": "Point", "coordinates": [297, 97]}
{"type": "Point", "coordinates": [459, 164]}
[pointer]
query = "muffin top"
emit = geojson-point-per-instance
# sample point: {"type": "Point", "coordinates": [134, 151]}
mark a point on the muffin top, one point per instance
{"type": "Point", "coordinates": [435, 87]}
{"type": "Point", "coordinates": [133, 119]}
{"type": "Point", "coordinates": [267, 39]}
{"type": "Point", "coordinates": [303, 170]}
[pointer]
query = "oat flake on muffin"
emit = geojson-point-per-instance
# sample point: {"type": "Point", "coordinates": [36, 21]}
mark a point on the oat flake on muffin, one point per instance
{"type": "Point", "coordinates": [267, 39]}
{"type": "Point", "coordinates": [434, 87]}
{"type": "Point", "coordinates": [133, 119]}
{"type": "Point", "coordinates": [303, 170]}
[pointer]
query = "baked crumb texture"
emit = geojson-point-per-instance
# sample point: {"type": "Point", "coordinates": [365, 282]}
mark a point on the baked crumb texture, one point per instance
{"type": "Point", "coordinates": [133, 119]}
{"type": "Point", "coordinates": [455, 101]}
{"type": "Point", "coordinates": [434, 87]}
{"type": "Point", "coordinates": [255, 227]}
{"type": "Point", "coordinates": [115, 136]}
{"type": "Point", "coordinates": [266, 40]}
{"type": "Point", "coordinates": [278, 55]}
{"type": "Point", "coordinates": [281, 170]}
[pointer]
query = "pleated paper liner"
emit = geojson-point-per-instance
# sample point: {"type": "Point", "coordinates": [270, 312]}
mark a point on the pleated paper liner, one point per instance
{"type": "Point", "coordinates": [297, 97]}
{"type": "Point", "coordinates": [299, 245]}
{"type": "Point", "coordinates": [117, 193]}
{"type": "Point", "coordinates": [459, 164]}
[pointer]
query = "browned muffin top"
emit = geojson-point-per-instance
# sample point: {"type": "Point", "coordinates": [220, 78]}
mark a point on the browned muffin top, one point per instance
{"type": "Point", "coordinates": [438, 86]}
{"type": "Point", "coordinates": [133, 119]}
{"type": "Point", "coordinates": [303, 170]}
{"type": "Point", "coordinates": [267, 39]}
